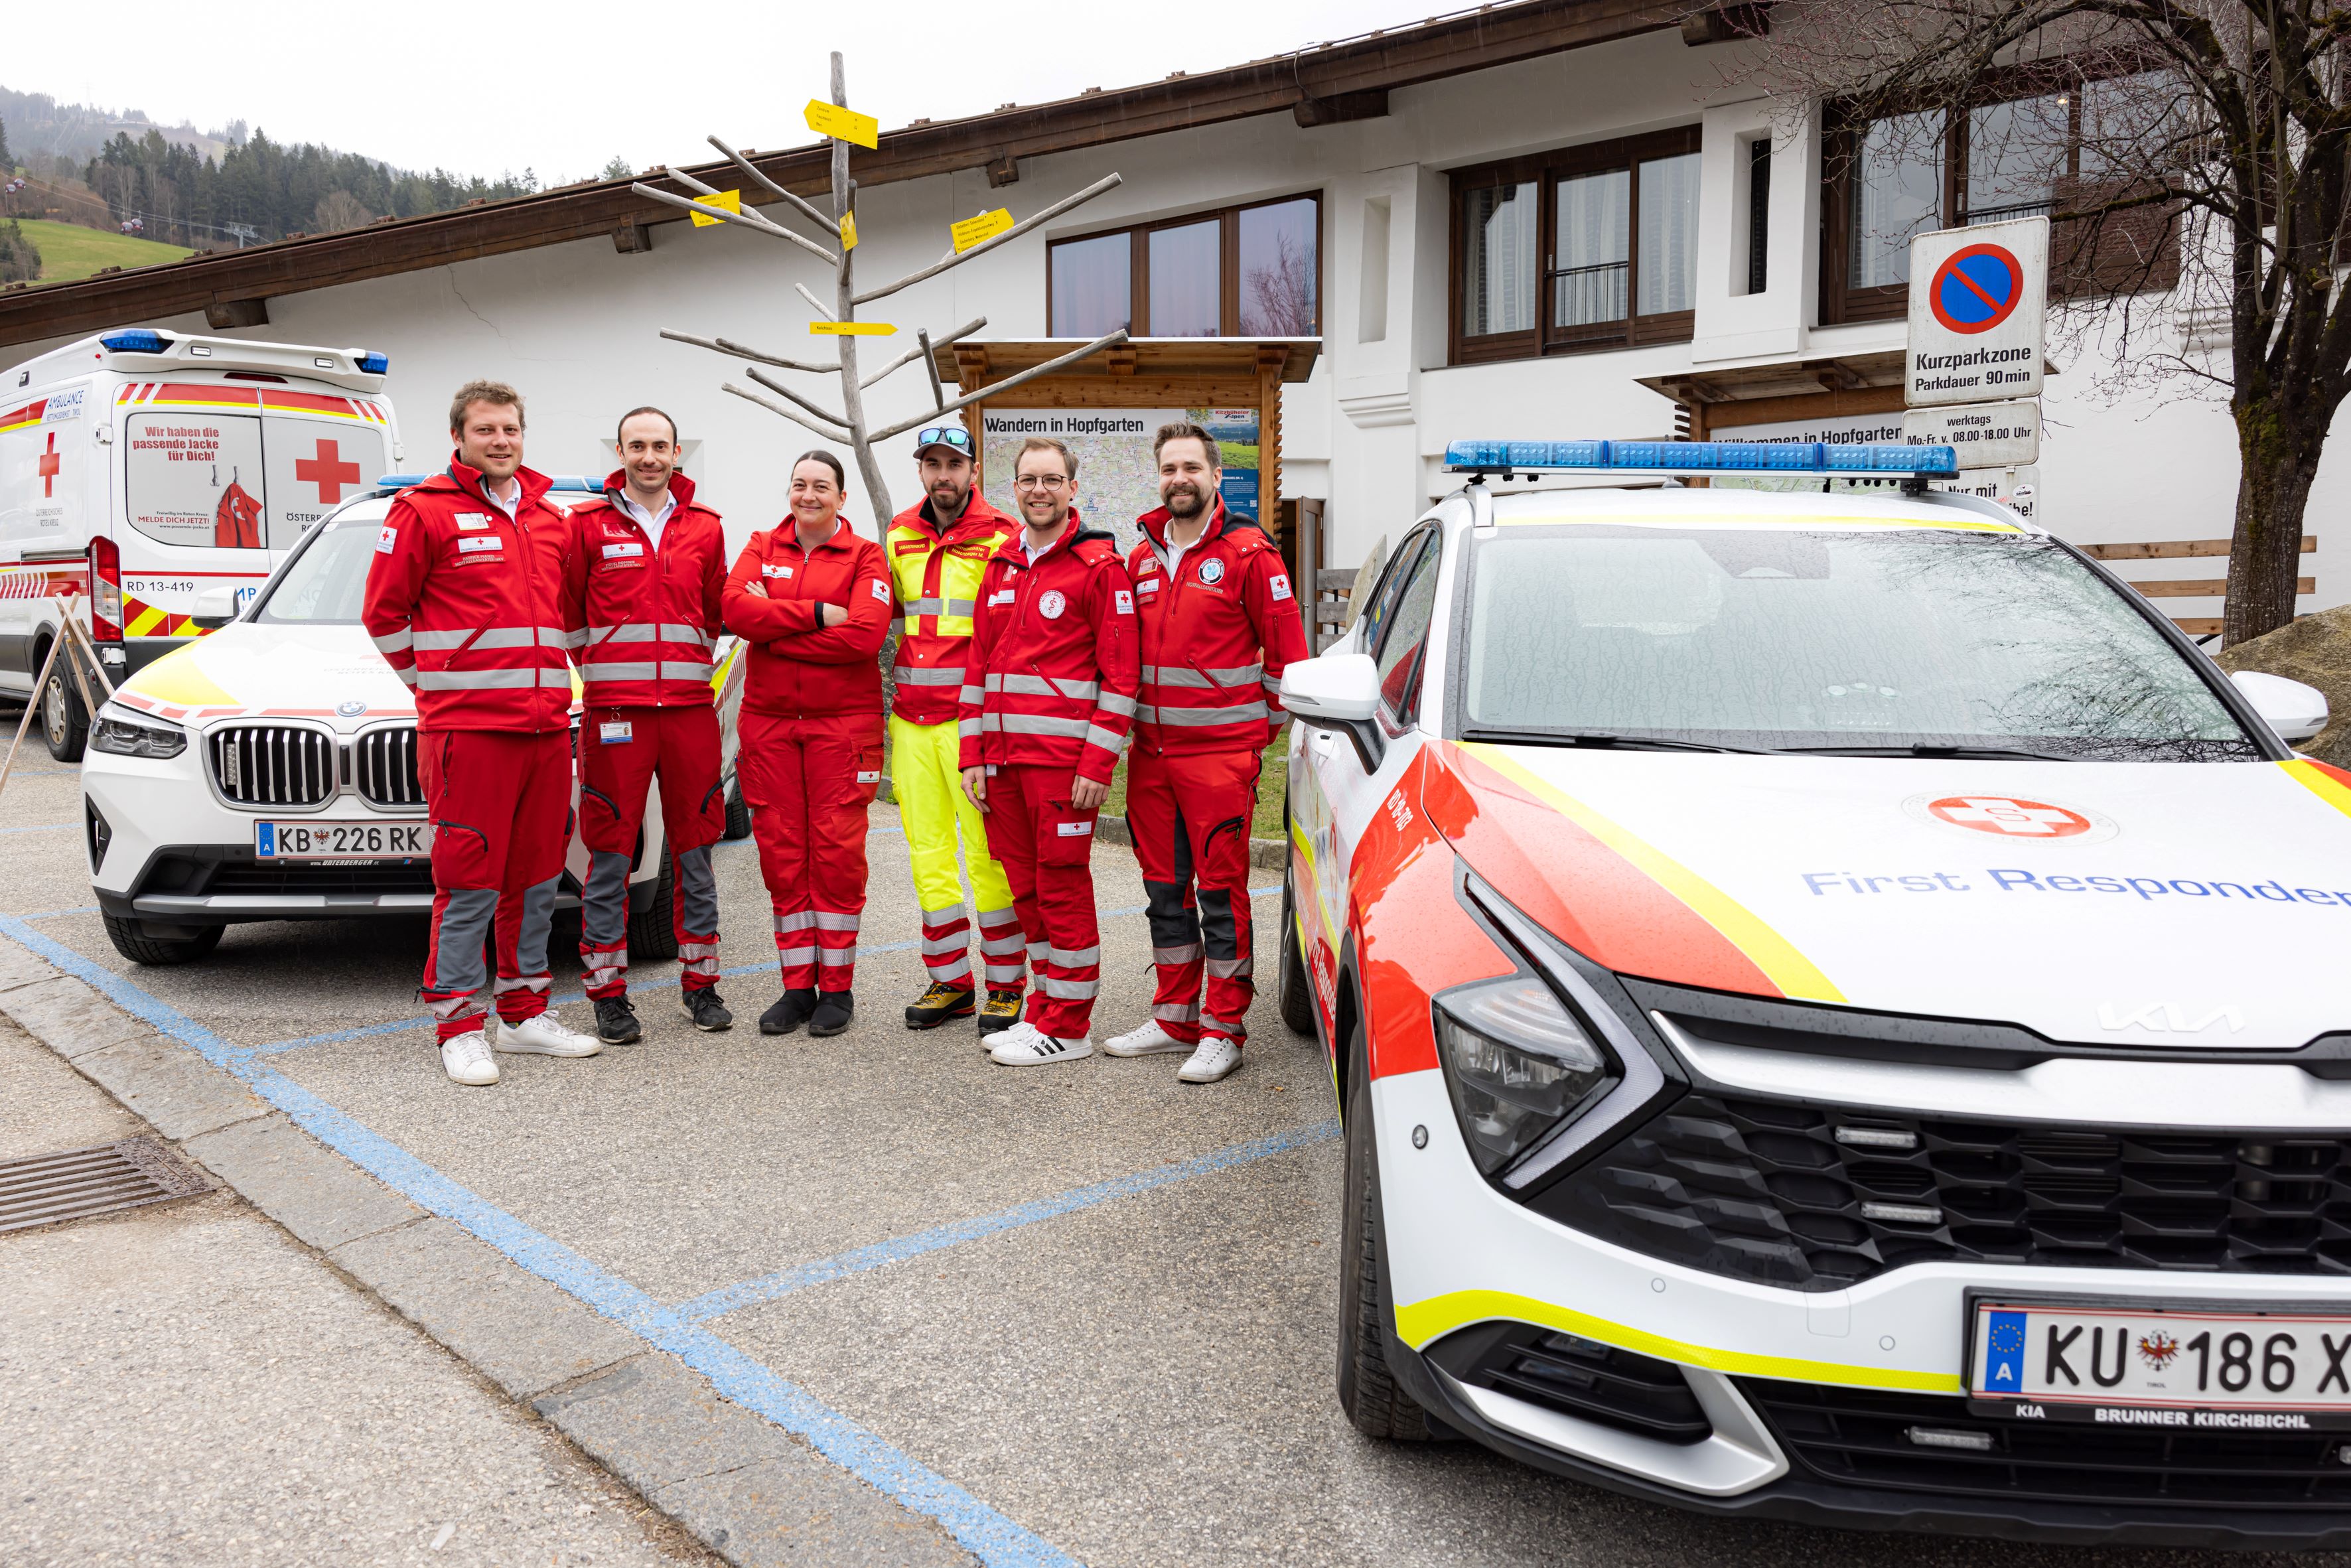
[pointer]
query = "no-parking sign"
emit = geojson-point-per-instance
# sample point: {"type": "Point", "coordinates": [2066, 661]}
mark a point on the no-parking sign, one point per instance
{"type": "Point", "coordinates": [1978, 297]}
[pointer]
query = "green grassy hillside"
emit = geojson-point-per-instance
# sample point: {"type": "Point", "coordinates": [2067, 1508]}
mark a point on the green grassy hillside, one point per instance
{"type": "Point", "coordinates": [70, 251]}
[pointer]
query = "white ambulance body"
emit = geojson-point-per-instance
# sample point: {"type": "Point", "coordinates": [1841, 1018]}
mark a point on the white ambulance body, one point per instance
{"type": "Point", "coordinates": [149, 469]}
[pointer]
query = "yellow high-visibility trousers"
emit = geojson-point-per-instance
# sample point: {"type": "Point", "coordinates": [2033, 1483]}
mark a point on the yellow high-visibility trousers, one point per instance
{"type": "Point", "coordinates": [926, 777]}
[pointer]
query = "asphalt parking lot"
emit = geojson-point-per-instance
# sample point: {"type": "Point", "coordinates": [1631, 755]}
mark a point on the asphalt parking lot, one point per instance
{"type": "Point", "coordinates": [1092, 1304]}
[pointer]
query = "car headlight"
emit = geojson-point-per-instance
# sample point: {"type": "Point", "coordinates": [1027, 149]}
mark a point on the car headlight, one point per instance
{"type": "Point", "coordinates": [126, 736]}
{"type": "Point", "coordinates": [1522, 1065]}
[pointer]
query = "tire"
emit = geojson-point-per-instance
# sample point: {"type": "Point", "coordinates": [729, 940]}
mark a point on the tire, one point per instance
{"type": "Point", "coordinates": [652, 934]}
{"type": "Point", "coordinates": [131, 939]}
{"type": "Point", "coordinates": [738, 813]}
{"type": "Point", "coordinates": [1367, 1390]}
{"type": "Point", "coordinates": [65, 723]}
{"type": "Point", "coordinates": [1291, 982]}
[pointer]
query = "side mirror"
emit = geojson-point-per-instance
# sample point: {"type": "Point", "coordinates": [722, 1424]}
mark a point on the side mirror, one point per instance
{"type": "Point", "coordinates": [1339, 692]}
{"type": "Point", "coordinates": [2295, 711]}
{"type": "Point", "coordinates": [215, 607]}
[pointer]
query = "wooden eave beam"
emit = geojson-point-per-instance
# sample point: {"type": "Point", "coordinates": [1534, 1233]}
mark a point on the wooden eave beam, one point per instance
{"type": "Point", "coordinates": [1477, 41]}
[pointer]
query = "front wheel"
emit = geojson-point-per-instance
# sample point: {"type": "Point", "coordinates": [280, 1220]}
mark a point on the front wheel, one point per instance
{"type": "Point", "coordinates": [65, 722]}
{"type": "Point", "coordinates": [131, 939]}
{"type": "Point", "coordinates": [1291, 982]}
{"type": "Point", "coordinates": [652, 931]}
{"type": "Point", "coordinates": [1368, 1391]}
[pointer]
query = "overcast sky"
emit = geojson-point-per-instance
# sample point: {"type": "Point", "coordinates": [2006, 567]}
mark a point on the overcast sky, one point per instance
{"type": "Point", "coordinates": [560, 88]}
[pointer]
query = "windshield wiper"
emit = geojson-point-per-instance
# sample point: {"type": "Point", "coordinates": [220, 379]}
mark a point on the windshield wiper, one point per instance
{"type": "Point", "coordinates": [1925, 750]}
{"type": "Point", "coordinates": [1604, 742]}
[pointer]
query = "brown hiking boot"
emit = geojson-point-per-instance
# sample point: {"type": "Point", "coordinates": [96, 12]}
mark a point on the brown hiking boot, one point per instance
{"type": "Point", "coordinates": [938, 1004]}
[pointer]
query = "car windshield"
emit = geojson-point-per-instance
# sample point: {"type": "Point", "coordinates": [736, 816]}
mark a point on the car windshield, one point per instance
{"type": "Point", "coordinates": [1876, 641]}
{"type": "Point", "coordinates": [325, 584]}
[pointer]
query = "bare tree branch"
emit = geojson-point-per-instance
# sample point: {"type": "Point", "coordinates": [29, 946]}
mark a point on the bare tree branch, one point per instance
{"type": "Point", "coordinates": [782, 390]}
{"type": "Point", "coordinates": [956, 257]}
{"type": "Point", "coordinates": [922, 343]}
{"type": "Point", "coordinates": [779, 409]}
{"type": "Point", "coordinates": [806, 207]}
{"type": "Point", "coordinates": [1006, 384]}
{"type": "Point", "coordinates": [748, 220]}
{"type": "Point", "coordinates": [735, 350]}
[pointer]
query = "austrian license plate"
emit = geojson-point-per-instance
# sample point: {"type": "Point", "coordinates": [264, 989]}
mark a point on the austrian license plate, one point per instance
{"type": "Point", "coordinates": [2285, 1368]}
{"type": "Point", "coordinates": [341, 840]}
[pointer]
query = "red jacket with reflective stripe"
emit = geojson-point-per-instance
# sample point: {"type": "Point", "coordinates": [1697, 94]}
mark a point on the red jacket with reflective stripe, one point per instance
{"type": "Point", "coordinates": [653, 614]}
{"type": "Point", "coordinates": [799, 667]}
{"type": "Point", "coordinates": [1216, 635]}
{"type": "Point", "coordinates": [472, 609]}
{"type": "Point", "coordinates": [937, 572]}
{"type": "Point", "coordinates": [1051, 678]}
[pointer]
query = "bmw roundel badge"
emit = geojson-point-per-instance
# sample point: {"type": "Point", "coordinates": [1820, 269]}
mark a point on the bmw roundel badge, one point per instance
{"type": "Point", "coordinates": [350, 707]}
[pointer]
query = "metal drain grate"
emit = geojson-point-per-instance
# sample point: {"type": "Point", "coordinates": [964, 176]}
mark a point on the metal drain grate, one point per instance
{"type": "Point", "coordinates": [46, 1188]}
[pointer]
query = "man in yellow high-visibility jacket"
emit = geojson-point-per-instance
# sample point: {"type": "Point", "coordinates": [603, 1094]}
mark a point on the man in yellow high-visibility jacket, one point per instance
{"type": "Point", "coordinates": [938, 552]}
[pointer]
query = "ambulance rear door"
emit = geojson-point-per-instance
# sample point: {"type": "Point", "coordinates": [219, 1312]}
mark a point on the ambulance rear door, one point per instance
{"type": "Point", "coordinates": [51, 462]}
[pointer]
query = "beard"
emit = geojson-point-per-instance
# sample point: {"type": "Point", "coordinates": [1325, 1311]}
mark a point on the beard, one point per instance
{"type": "Point", "coordinates": [948, 500]}
{"type": "Point", "coordinates": [1185, 500]}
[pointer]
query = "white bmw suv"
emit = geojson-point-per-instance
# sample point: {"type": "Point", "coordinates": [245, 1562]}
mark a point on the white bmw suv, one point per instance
{"type": "Point", "coordinates": [267, 771]}
{"type": "Point", "coordinates": [1840, 1011]}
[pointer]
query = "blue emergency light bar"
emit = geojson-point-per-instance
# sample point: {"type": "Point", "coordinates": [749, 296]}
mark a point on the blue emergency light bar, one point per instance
{"type": "Point", "coordinates": [375, 364]}
{"type": "Point", "coordinates": [1880, 460]}
{"type": "Point", "coordinates": [136, 341]}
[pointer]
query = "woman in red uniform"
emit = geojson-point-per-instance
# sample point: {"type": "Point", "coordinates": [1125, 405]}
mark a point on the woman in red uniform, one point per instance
{"type": "Point", "coordinates": [812, 599]}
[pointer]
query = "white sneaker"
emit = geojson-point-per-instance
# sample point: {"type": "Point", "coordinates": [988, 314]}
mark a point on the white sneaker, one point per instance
{"type": "Point", "coordinates": [1216, 1057]}
{"type": "Point", "coordinates": [545, 1035]}
{"type": "Point", "coordinates": [466, 1059]}
{"type": "Point", "coordinates": [1026, 1045]}
{"type": "Point", "coordinates": [1148, 1041]}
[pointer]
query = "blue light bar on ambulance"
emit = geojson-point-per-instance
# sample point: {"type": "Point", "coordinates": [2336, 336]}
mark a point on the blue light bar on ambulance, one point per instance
{"type": "Point", "coordinates": [375, 364]}
{"type": "Point", "coordinates": [136, 341]}
{"type": "Point", "coordinates": [1814, 457]}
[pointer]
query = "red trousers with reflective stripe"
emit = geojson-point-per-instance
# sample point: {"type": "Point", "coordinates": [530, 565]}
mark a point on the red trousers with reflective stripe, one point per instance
{"type": "Point", "coordinates": [1045, 846]}
{"type": "Point", "coordinates": [682, 745]}
{"type": "Point", "coordinates": [807, 782]}
{"type": "Point", "coordinates": [1190, 820]}
{"type": "Point", "coordinates": [500, 805]}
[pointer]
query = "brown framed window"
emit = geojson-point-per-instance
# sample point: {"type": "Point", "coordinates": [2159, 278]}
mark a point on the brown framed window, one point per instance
{"type": "Point", "coordinates": [1585, 248]}
{"type": "Point", "coordinates": [1250, 271]}
{"type": "Point", "coordinates": [2029, 155]}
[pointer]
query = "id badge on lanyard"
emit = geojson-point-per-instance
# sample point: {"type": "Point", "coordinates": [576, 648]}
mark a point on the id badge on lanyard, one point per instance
{"type": "Point", "coordinates": [612, 732]}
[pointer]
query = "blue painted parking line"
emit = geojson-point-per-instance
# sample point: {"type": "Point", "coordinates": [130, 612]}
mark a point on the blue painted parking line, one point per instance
{"type": "Point", "coordinates": [55, 913]}
{"type": "Point", "coordinates": [993, 1538]}
{"type": "Point", "coordinates": [840, 1265]}
{"type": "Point", "coordinates": [42, 827]}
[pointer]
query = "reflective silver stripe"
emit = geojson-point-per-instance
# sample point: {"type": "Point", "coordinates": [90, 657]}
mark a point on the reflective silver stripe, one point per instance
{"type": "Point", "coordinates": [1174, 676]}
{"type": "Point", "coordinates": [942, 914]}
{"type": "Point", "coordinates": [1176, 1012]}
{"type": "Point", "coordinates": [1230, 969]}
{"type": "Point", "coordinates": [394, 641]}
{"type": "Point", "coordinates": [478, 680]}
{"type": "Point", "coordinates": [797, 955]}
{"type": "Point", "coordinates": [671, 632]}
{"type": "Point", "coordinates": [407, 675]}
{"type": "Point", "coordinates": [939, 946]}
{"type": "Point", "coordinates": [572, 639]}
{"type": "Point", "coordinates": [1184, 675]}
{"type": "Point", "coordinates": [556, 637]}
{"type": "Point", "coordinates": [948, 974]}
{"type": "Point", "coordinates": [1036, 952]}
{"type": "Point", "coordinates": [827, 920]}
{"type": "Point", "coordinates": [1002, 947]}
{"type": "Point", "coordinates": [926, 606]}
{"type": "Point", "coordinates": [1193, 718]}
{"type": "Point", "coordinates": [1271, 684]}
{"type": "Point", "coordinates": [1002, 974]}
{"type": "Point", "coordinates": [800, 922]}
{"type": "Point", "coordinates": [555, 680]}
{"type": "Point", "coordinates": [442, 642]}
{"type": "Point", "coordinates": [536, 983]}
{"type": "Point", "coordinates": [971, 695]}
{"type": "Point", "coordinates": [697, 949]}
{"type": "Point", "coordinates": [596, 670]}
{"type": "Point", "coordinates": [684, 670]}
{"type": "Point", "coordinates": [833, 958]}
{"type": "Point", "coordinates": [1182, 954]}
{"type": "Point", "coordinates": [1111, 701]}
{"type": "Point", "coordinates": [506, 637]}
{"type": "Point", "coordinates": [700, 967]}
{"type": "Point", "coordinates": [936, 675]}
{"type": "Point", "coordinates": [1237, 675]}
{"type": "Point", "coordinates": [1073, 957]}
{"type": "Point", "coordinates": [1039, 724]}
{"type": "Point", "coordinates": [1110, 741]}
{"type": "Point", "coordinates": [1039, 686]}
{"type": "Point", "coordinates": [967, 728]}
{"type": "Point", "coordinates": [964, 607]}
{"type": "Point", "coordinates": [1211, 1024]}
{"type": "Point", "coordinates": [1146, 713]}
{"type": "Point", "coordinates": [1068, 991]}
{"type": "Point", "coordinates": [627, 632]}
{"type": "Point", "coordinates": [994, 681]}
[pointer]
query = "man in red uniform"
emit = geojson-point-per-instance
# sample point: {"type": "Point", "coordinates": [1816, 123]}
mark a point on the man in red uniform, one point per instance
{"type": "Point", "coordinates": [1047, 697]}
{"type": "Point", "coordinates": [1219, 623]}
{"type": "Point", "coordinates": [647, 571]}
{"type": "Point", "coordinates": [468, 601]}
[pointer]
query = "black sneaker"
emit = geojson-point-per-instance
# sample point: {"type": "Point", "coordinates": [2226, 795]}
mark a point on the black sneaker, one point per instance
{"type": "Point", "coordinates": [1000, 1011]}
{"type": "Point", "coordinates": [790, 1011]}
{"type": "Point", "coordinates": [705, 1009]}
{"type": "Point", "coordinates": [833, 1011]}
{"type": "Point", "coordinates": [616, 1021]}
{"type": "Point", "coordinates": [938, 1004]}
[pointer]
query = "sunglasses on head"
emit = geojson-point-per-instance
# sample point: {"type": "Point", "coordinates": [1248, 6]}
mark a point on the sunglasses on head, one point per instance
{"type": "Point", "coordinates": [952, 435]}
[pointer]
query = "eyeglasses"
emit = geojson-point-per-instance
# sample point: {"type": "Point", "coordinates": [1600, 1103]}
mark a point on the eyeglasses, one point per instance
{"type": "Point", "coordinates": [952, 435]}
{"type": "Point", "coordinates": [1039, 481]}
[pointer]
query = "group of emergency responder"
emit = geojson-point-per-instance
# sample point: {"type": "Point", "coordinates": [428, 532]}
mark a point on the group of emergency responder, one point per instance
{"type": "Point", "coordinates": [1030, 655]}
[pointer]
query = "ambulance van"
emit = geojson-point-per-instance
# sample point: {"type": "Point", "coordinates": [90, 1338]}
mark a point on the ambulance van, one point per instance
{"type": "Point", "coordinates": [142, 470]}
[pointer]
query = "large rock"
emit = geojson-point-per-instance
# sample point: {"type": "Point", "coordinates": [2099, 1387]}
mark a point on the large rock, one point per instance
{"type": "Point", "coordinates": [2316, 651]}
